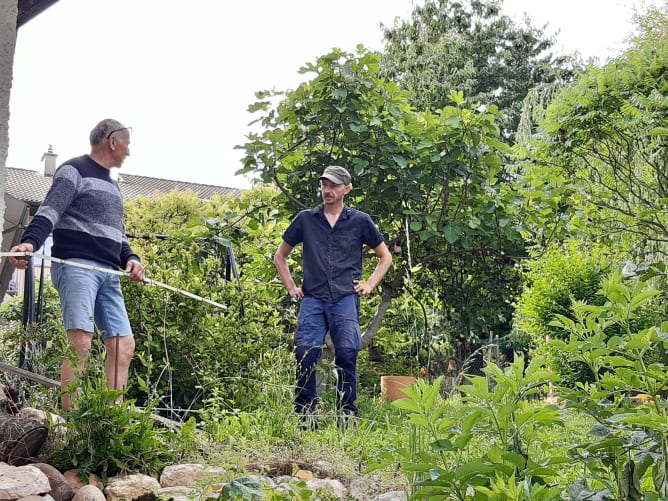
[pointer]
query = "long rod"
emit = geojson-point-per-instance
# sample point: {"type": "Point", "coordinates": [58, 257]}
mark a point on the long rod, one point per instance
{"type": "Point", "coordinates": [113, 272]}
{"type": "Point", "coordinates": [29, 375]}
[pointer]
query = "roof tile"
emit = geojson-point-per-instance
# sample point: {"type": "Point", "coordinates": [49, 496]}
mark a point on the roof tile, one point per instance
{"type": "Point", "coordinates": [31, 186]}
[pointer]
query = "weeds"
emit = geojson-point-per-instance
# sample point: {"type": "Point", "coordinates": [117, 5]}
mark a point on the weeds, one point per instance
{"type": "Point", "coordinates": [107, 437]}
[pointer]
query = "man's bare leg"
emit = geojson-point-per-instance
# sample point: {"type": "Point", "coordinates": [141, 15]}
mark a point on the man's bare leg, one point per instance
{"type": "Point", "coordinates": [117, 364]}
{"type": "Point", "coordinates": [81, 341]}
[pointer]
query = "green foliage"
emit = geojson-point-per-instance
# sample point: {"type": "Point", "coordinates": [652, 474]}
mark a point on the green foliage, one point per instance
{"type": "Point", "coordinates": [12, 310]}
{"type": "Point", "coordinates": [189, 351]}
{"type": "Point", "coordinates": [433, 181]}
{"type": "Point", "coordinates": [242, 488]}
{"type": "Point", "coordinates": [560, 277]}
{"type": "Point", "coordinates": [470, 47]}
{"type": "Point", "coordinates": [651, 24]}
{"type": "Point", "coordinates": [498, 446]}
{"type": "Point", "coordinates": [45, 344]}
{"type": "Point", "coordinates": [562, 274]}
{"type": "Point", "coordinates": [270, 418]}
{"type": "Point", "coordinates": [251, 489]}
{"type": "Point", "coordinates": [626, 455]}
{"type": "Point", "coordinates": [605, 135]}
{"type": "Point", "coordinates": [107, 438]}
{"type": "Point", "coordinates": [403, 344]}
{"type": "Point", "coordinates": [486, 446]}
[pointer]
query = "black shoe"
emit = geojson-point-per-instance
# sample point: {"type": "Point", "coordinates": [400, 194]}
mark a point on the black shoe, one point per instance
{"type": "Point", "coordinates": [308, 422]}
{"type": "Point", "coordinates": [346, 421]}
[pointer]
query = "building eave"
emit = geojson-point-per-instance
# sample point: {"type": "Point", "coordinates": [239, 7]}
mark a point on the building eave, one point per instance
{"type": "Point", "coordinates": [28, 9]}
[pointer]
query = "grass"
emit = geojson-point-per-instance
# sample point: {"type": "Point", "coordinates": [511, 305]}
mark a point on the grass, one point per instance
{"type": "Point", "coordinates": [245, 443]}
{"type": "Point", "coordinates": [268, 438]}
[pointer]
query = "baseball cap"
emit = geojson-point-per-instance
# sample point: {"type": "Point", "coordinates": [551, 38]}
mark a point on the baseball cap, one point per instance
{"type": "Point", "coordinates": [336, 174]}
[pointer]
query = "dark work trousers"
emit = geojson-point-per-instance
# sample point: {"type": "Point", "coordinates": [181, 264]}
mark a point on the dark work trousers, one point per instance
{"type": "Point", "coordinates": [345, 361]}
{"type": "Point", "coordinates": [341, 319]}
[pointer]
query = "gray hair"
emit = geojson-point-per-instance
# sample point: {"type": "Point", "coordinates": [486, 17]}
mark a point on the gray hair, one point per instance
{"type": "Point", "coordinates": [102, 130]}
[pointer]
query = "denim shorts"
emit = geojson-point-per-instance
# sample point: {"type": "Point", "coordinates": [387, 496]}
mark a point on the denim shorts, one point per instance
{"type": "Point", "coordinates": [90, 299]}
{"type": "Point", "coordinates": [341, 319]}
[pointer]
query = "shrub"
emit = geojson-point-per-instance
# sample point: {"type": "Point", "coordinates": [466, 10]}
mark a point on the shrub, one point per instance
{"type": "Point", "coordinates": [562, 274]}
{"type": "Point", "coordinates": [626, 453]}
{"type": "Point", "coordinates": [188, 350]}
{"type": "Point", "coordinates": [108, 438]}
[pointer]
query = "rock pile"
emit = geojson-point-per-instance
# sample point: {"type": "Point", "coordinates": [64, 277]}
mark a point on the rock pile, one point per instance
{"type": "Point", "coordinates": [23, 478]}
{"type": "Point", "coordinates": [182, 482]}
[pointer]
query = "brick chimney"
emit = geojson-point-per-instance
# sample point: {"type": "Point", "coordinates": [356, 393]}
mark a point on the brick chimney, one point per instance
{"type": "Point", "coordinates": [49, 159]}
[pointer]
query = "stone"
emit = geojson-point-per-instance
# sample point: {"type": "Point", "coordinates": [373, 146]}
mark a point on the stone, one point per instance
{"type": "Point", "coordinates": [365, 488]}
{"type": "Point", "coordinates": [60, 488]}
{"type": "Point", "coordinates": [323, 469]}
{"type": "Point", "coordinates": [42, 417]}
{"type": "Point", "coordinates": [55, 423]}
{"type": "Point", "coordinates": [181, 474]}
{"type": "Point", "coordinates": [130, 486]}
{"type": "Point", "coordinates": [72, 478]}
{"type": "Point", "coordinates": [21, 481]}
{"type": "Point", "coordinates": [333, 487]}
{"type": "Point", "coordinates": [89, 493]}
{"type": "Point", "coordinates": [176, 493]}
{"type": "Point", "coordinates": [188, 474]}
{"type": "Point", "coordinates": [304, 475]}
{"type": "Point", "coordinates": [391, 496]}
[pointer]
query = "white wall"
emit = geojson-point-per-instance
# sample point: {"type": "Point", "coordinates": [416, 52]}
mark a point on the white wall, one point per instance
{"type": "Point", "coordinates": [8, 13]}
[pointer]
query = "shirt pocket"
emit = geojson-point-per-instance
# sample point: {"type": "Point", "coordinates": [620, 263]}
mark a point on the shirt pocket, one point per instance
{"type": "Point", "coordinates": [347, 242]}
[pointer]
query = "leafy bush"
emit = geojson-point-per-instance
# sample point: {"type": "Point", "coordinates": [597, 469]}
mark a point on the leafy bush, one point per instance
{"type": "Point", "coordinates": [484, 447]}
{"type": "Point", "coordinates": [41, 345]}
{"type": "Point", "coordinates": [626, 454]}
{"type": "Point", "coordinates": [562, 274]}
{"type": "Point", "coordinates": [500, 445]}
{"type": "Point", "coordinates": [189, 351]}
{"type": "Point", "coordinates": [108, 438]}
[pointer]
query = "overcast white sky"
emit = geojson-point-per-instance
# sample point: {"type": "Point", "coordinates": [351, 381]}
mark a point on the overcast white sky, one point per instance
{"type": "Point", "coordinates": [182, 74]}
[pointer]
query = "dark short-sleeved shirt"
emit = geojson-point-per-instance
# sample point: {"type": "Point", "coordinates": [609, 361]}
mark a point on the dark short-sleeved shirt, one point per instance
{"type": "Point", "coordinates": [332, 255]}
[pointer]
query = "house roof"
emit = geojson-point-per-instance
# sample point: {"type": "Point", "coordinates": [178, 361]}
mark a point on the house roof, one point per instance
{"type": "Point", "coordinates": [134, 186]}
{"type": "Point", "coordinates": [30, 186]}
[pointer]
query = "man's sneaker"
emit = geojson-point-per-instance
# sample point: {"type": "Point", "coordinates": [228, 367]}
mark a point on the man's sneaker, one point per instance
{"type": "Point", "coordinates": [308, 422]}
{"type": "Point", "coordinates": [346, 421]}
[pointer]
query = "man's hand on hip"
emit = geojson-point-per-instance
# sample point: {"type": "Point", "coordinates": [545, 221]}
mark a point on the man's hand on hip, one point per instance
{"type": "Point", "coordinates": [362, 288]}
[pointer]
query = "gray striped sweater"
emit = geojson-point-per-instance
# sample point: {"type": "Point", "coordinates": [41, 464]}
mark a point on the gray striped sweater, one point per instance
{"type": "Point", "coordinates": [84, 209]}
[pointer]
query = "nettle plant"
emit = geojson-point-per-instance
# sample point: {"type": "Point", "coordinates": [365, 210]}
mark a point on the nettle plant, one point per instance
{"type": "Point", "coordinates": [499, 443]}
{"type": "Point", "coordinates": [486, 448]}
{"type": "Point", "coordinates": [627, 454]}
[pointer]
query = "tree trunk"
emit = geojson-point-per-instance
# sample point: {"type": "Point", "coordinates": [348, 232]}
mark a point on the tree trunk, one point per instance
{"type": "Point", "coordinates": [372, 329]}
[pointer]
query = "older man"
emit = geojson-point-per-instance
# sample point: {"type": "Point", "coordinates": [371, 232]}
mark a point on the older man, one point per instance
{"type": "Point", "coordinates": [84, 209]}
